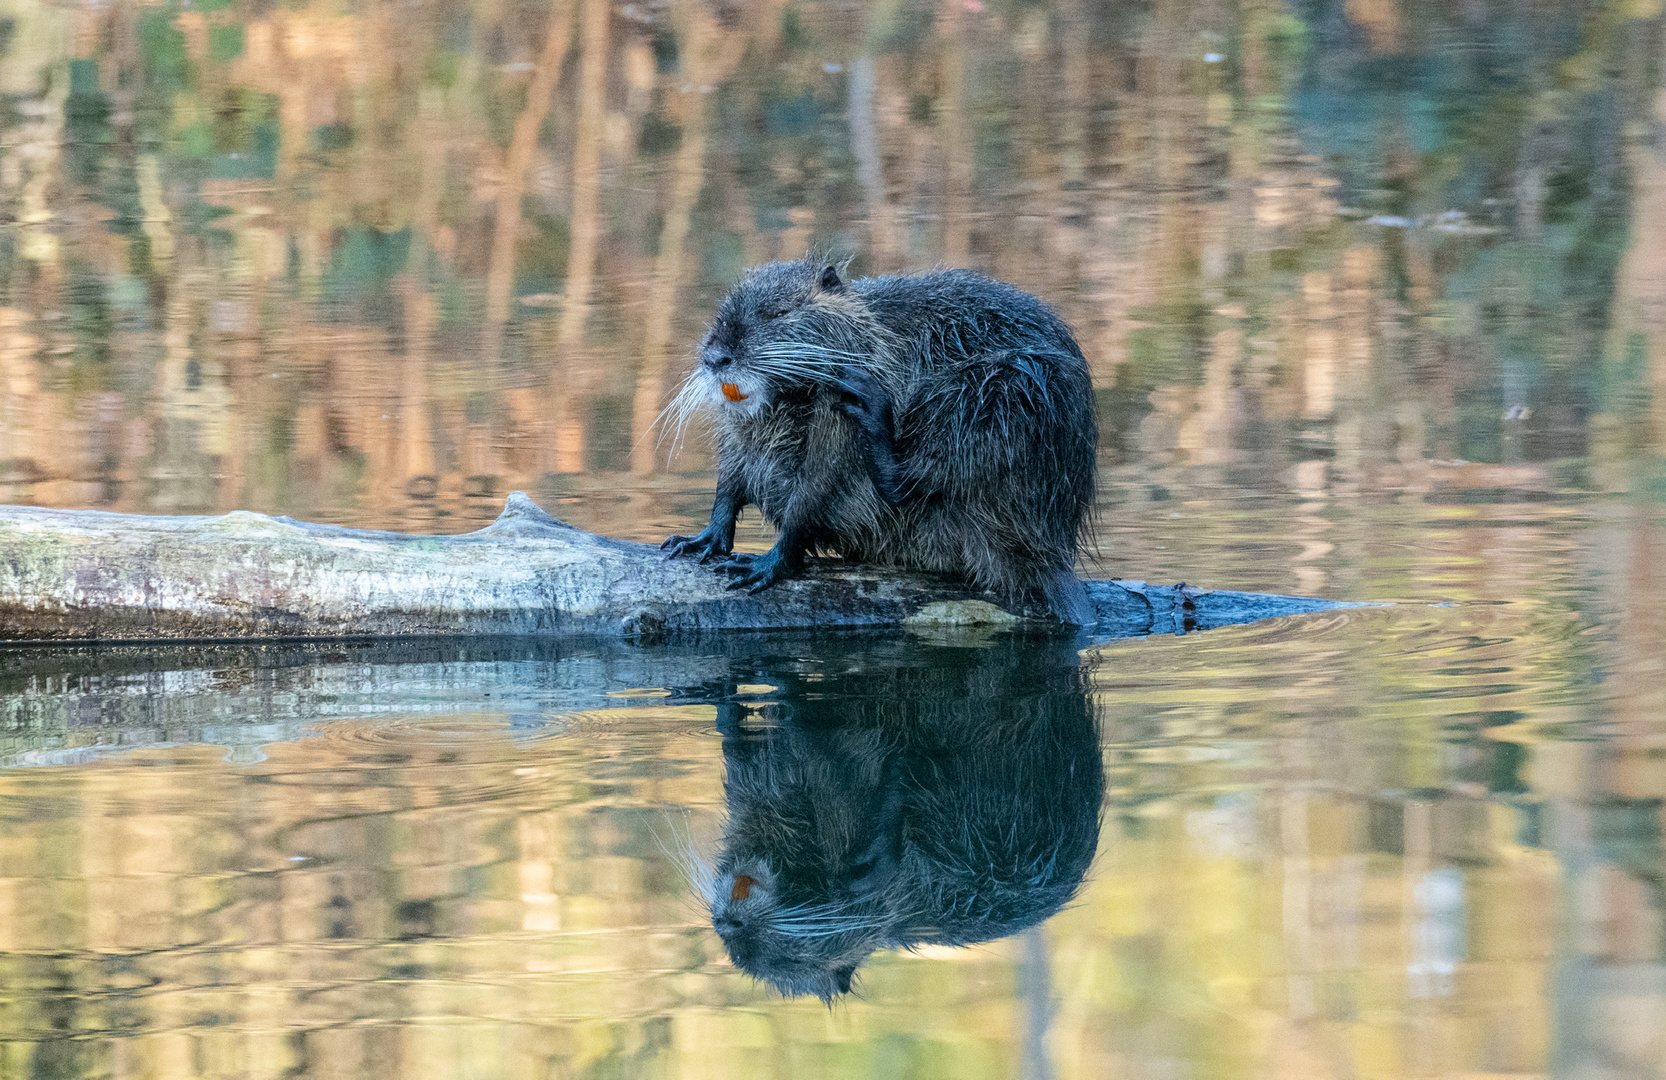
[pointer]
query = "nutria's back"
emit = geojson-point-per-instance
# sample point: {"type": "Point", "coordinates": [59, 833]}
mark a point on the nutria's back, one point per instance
{"type": "Point", "coordinates": [941, 306]}
{"type": "Point", "coordinates": [999, 431]}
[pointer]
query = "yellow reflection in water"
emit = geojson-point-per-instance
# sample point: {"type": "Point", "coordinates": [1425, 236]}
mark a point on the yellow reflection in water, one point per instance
{"type": "Point", "coordinates": [382, 266]}
{"type": "Point", "coordinates": [1373, 300]}
{"type": "Point", "coordinates": [1392, 843]}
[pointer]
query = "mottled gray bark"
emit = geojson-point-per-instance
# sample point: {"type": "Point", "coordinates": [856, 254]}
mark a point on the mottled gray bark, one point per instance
{"type": "Point", "coordinates": [85, 575]}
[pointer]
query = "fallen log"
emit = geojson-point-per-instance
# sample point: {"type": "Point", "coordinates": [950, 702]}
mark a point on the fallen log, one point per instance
{"type": "Point", "coordinates": [87, 575]}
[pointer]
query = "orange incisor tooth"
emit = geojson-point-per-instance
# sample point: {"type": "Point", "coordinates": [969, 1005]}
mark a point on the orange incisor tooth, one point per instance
{"type": "Point", "coordinates": [743, 887]}
{"type": "Point", "coordinates": [732, 392]}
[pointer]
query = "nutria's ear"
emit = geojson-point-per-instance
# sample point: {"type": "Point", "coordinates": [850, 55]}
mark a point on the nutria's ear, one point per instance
{"type": "Point", "coordinates": [830, 279]}
{"type": "Point", "coordinates": [841, 978]}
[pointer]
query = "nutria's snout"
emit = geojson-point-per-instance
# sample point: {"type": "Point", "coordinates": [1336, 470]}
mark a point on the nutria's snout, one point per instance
{"type": "Point", "coordinates": [717, 360]}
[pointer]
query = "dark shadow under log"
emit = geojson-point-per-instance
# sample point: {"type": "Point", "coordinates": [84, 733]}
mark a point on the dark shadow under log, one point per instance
{"type": "Point", "coordinates": [86, 575]}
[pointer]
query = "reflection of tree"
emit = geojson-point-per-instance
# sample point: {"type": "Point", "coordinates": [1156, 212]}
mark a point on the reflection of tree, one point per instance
{"type": "Point", "coordinates": [568, 377]}
{"type": "Point", "coordinates": [517, 160]}
{"type": "Point", "coordinates": [884, 228]}
{"type": "Point", "coordinates": [707, 56]}
{"type": "Point", "coordinates": [1636, 344]}
{"type": "Point", "coordinates": [1138, 166]}
{"type": "Point", "coordinates": [1503, 138]}
{"type": "Point", "coordinates": [956, 135]}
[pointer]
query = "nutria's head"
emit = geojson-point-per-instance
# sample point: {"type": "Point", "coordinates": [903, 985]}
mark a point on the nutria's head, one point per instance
{"type": "Point", "coordinates": [801, 943]}
{"type": "Point", "coordinates": [786, 326]}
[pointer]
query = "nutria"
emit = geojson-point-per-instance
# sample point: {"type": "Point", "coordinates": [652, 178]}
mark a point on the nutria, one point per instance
{"type": "Point", "coordinates": [938, 421]}
{"type": "Point", "coordinates": [949, 796]}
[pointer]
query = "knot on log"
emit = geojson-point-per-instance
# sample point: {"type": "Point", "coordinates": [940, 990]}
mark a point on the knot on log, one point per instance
{"type": "Point", "coordinates": [523, 517]}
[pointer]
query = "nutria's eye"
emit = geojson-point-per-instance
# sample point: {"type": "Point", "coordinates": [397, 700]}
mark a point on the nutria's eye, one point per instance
{"type": "Point", "coordinates": [775, 312]}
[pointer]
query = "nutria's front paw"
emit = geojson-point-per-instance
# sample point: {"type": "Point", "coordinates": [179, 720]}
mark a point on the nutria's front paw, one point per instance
{"type": "Point", "coordinates": [754, 573]}
{"type": "Point", "coordinates": [707, 545]}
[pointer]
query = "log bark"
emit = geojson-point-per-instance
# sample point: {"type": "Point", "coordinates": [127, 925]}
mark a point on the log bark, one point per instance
{"type": "Point", "coordinates": [87, 575]}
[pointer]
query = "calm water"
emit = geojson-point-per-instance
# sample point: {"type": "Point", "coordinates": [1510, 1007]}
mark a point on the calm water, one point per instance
{"type": "Point", "coordinates": [1375, 298]}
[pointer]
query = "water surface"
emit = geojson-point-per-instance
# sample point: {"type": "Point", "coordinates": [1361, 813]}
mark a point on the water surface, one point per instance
{"type": "Point", "coordinates": [1372, 295]}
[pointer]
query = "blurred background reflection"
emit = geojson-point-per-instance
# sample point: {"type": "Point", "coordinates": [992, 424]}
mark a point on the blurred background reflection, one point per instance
{"type": "Point", "coordinates": [1374, 292]}
{"type": "Point", "coordinates": [382, 264]}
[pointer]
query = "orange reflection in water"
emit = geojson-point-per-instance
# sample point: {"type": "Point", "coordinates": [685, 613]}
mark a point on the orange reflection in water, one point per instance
{"type": "Point", "coordinates": [1373, 301]}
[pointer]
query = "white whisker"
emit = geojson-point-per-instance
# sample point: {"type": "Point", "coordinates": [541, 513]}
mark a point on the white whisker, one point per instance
{"type": "Point", "coordinates": [673, 420]}
{"type": "Point", "coordinates": [696, 872]}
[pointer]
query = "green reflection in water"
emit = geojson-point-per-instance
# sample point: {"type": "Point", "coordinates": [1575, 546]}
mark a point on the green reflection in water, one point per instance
{"type": "Point", "coordinates": [382, 266]}
{"type": "Point", "coordinates": [1404, 841]}
{"type": "Point", "coordinates": [1372, 297]}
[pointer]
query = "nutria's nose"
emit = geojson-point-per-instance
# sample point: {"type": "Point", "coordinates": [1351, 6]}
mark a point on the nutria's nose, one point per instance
{"type": "Point", "coordinates": [716, 358]}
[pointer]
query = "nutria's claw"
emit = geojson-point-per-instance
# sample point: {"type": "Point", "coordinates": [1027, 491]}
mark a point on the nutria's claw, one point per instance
{"type": "Point", "coordinates": [865, 398]}
{"type": "Point", "coordinates": [754, 573]}
{"type": "Point", "coordinates": [707, 547]}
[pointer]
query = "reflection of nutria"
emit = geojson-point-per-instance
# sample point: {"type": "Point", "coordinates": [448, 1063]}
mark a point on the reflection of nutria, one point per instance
{"type": "Point", "coordinates": [945, 797]}
{"type": "Point", "coordinates": [937, 421]}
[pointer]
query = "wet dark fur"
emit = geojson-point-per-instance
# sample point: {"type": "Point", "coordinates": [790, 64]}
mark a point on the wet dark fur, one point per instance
{"type": "Point", "coordinates": [939, 421]}
{"type": "Point", "coordinates": [951, 802]}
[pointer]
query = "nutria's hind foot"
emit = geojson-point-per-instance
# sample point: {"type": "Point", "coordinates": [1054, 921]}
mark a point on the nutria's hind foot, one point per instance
{"type": "Point", "coordinates": [755, 573]}
{"type": "Point", "coordinates": [708, 545]}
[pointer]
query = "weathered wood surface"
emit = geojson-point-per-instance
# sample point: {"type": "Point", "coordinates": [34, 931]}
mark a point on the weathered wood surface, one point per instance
{"type": "Point", "coordinates": [83, 575]}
